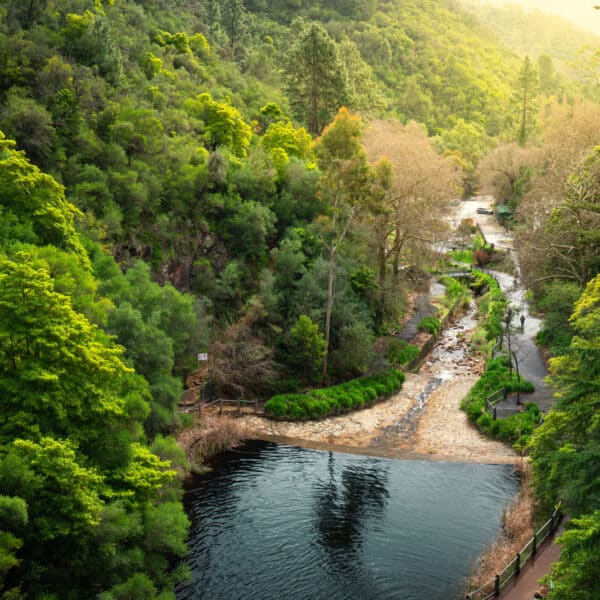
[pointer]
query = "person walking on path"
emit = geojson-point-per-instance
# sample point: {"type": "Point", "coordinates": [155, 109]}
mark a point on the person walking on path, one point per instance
{"type": "Point", "coordinates": [522, 322]}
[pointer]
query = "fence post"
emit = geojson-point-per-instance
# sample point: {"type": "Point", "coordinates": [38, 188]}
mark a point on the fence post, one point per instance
{"type": "Point", "coordinates": [534, 544]}
{"type": "Point", "coordinates": [518, 565]}
{"type": "Point", "coordinates": [497, 586]}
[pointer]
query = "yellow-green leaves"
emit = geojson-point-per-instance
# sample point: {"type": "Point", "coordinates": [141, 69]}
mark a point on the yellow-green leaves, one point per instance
{"type": "Point", "coordinates": [68, 502]}
{"type": "Point", "coordinates": [283, 140]}
{"type": "Point", "coordinates": [37, 203]}
{"type": "Point", "coordinates": [223, 123]}
{"type": "Point", "coordinates": [145, 474]}
{"type": "Point", "coordinates": [60, 375]}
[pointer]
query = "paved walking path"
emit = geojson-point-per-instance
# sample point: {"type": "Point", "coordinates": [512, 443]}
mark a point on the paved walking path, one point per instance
{"type": "Point", "coordinates": [525, 586]}
{"type": "Point", "coordinates": [532, 367]}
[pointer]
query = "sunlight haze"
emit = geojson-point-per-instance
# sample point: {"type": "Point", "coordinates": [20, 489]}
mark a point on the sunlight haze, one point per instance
{"type": "Point", "coordinates": [580, 12]}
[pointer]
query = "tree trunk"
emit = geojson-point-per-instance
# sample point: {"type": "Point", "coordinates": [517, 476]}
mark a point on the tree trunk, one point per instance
{"type": "Point", "coordinates": [380, 309]}
{"type": "Point", "coordinates": [30, 12]}
{"type": "Point", "coordinates": [329, 305]}
{"type": "Point", "coordinates": [396, 269]}
{"type": "Point", "coordinates": [523, 134]}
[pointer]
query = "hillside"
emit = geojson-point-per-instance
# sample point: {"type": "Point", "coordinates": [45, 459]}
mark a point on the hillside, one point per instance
{"type": "Point", "coordinates": [529, 31]}
{"type": "Point", "coordinates": [263, 183]}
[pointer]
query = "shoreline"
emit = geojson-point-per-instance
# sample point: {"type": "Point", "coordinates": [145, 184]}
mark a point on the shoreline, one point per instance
{"type": "Point", "coordinates": [383, 453]}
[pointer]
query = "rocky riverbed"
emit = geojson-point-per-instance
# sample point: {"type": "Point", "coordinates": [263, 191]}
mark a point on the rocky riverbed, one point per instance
{"type": "Point", "coordinates": [423, 420]}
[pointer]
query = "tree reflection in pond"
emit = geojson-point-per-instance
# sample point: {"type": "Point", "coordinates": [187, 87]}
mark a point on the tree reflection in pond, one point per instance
{"type": "Point", "coordinates": [343, 505]}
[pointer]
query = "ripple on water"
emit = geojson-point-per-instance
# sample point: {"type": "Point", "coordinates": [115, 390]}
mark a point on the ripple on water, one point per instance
{"type": "Point", "coordinates": [275, 521]}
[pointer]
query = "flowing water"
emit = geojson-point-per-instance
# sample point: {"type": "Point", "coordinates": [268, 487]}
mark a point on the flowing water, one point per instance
{"type": "Point", "coordinates": [280, 522]}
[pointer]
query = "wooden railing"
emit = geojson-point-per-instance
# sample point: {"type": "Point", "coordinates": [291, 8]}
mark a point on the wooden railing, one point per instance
{"type": "Point", "coordinates": [493, 587]}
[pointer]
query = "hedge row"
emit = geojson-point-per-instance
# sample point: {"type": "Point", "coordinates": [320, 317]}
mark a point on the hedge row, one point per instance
{"type": "Point", "coordinates": [496, 303]}
{"type": "Point", "coordinates": [328, 401]}
{"type": "Point", "coordinates": [513, 429]}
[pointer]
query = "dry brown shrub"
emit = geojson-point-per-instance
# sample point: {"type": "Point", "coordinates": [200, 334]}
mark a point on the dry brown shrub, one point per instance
{"type": "Point", "coordinates": [209, 436]}
{"type": "Point", "coordinates": [516, 531]}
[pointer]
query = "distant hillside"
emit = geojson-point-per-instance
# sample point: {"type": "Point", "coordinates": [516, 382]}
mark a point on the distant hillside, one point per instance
{"type": "Point", "coordinates": [433, 60]}
{"type": "Point", "coordinates": [579, 12]}
{"type": "Point", "coordinates": [530, 31]}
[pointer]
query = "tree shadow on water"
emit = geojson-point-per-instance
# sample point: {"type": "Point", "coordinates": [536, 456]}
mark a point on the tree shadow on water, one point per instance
{"type": "Point", "coordinates": [348, 503]}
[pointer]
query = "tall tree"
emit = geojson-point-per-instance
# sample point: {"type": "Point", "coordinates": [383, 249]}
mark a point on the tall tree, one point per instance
{"type": "Point", "coordinates": [344, 185]}
{"type": "Point", "coordinates": [567, 247]}
{"type": "Point", "coordinates": [412, 197]}
{"type": "Point", "coordinates": [234, 22]}
{"type": "Point", "coordinates": [524, 102]}
{"type": "Point", "coordinates": [549, 78]}
{"type": "Point", "coordinates": [316, 80]}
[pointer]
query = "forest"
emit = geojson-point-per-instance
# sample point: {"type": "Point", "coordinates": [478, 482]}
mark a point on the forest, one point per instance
{"type": "Point", "coordinates": [258, 181]}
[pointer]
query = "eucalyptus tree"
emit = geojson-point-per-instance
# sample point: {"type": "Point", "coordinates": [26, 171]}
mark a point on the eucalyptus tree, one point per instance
{"type": "Point", "coordinates": [412, 193]}
{"type": "Point", "coordinates": [344, 186]}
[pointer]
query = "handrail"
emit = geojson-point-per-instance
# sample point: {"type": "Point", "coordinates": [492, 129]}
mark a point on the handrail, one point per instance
{"type": "Point", "coordinates": [492, 588]}
{"type": "Point", "coordinates": [494, 398]}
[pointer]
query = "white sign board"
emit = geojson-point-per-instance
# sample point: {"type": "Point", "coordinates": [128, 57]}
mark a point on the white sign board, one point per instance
{"type": "Point", "coordinates": [202, 356]}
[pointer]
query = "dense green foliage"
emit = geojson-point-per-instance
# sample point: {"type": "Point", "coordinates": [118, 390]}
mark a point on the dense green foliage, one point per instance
{"type": "Point", "coordinates": [565, 450]}
{"type": "Point", "coordinates": [492, 305]}
{"type": "Point", "coordinates": [160, 161]}
{"type": "Point", "coordinates": [87, 506]}
{"type": "Point", "coordinates": [431, 325]}
{"type": "Point", "coordinates": [400, 352]}
{"type": "Point", "coordinates": [353, 394]}
{"type": "Point", "coordinates": [514, 428]}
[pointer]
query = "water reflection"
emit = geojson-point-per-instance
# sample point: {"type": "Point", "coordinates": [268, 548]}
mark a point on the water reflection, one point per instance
{"type": "Point", "coordinates": [275, 521]}
{"type": "Point", "coordinates": [348, 504]}
{"type": "Point", "coordinates": [345, 501]}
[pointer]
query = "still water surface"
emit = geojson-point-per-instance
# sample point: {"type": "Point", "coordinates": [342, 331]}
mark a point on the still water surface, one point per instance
{"type": "Point", "coordinates": [278, 522]}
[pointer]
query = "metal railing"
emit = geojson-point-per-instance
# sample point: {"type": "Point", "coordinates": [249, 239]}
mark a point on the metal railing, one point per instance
{"type": "Point", "coordinates": [492, 588]}
{"type": "Point", "coordinates": [493, 399]}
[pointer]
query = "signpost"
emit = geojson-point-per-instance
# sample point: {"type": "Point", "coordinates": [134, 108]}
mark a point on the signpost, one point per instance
{"type": "Point", "coordinates": [202, 356]}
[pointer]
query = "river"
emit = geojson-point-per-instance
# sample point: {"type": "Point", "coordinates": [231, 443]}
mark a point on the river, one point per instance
{"type": "Point", "coordinates": [273, 521]}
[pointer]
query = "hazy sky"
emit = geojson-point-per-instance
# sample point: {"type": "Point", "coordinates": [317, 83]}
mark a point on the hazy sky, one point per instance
{"type": "Point", "coordinates": [580, 11]}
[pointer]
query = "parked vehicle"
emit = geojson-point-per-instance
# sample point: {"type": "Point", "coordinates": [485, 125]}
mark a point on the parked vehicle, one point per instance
{"type": "Point", "coordinates": [482, 210]}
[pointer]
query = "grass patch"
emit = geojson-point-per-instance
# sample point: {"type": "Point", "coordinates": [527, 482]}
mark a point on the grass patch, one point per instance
{"type": "Point", "coordinates": [463, 256]}
{"type": "Point", "coordinates": [431, 325]}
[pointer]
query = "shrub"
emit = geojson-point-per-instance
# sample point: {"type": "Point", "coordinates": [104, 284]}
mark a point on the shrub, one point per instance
{"type": "Point", "coordinates": [306, 347]}
{"type": "Point", "coordinates": [482, 257]}
{"type": "Point", "coordinates": [511, 429]}
{"type": "Point", "coordinates": [400, 352]}
{"type": "Point", "coordinates": [320, 403]}
{"type": "Point", "coordinates": [276, 406]}
{"type": "Point", "coordinates": [430, 324]}
{"type": "Point", "coordinates": [464, 256]}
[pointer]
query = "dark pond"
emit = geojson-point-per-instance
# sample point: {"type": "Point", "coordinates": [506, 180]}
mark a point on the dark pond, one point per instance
{"type": "Point", "coordinates": [278, 522]}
